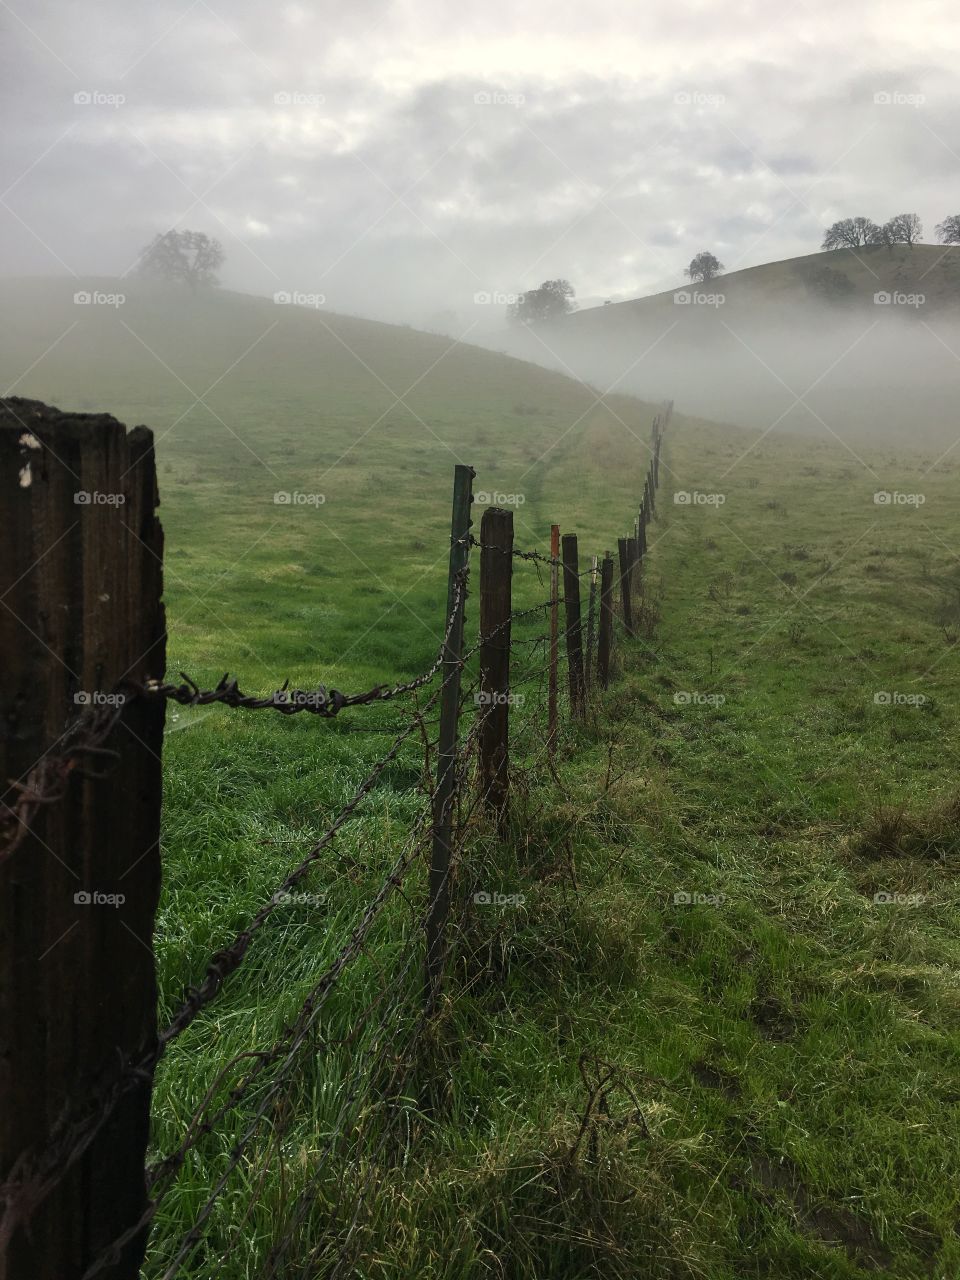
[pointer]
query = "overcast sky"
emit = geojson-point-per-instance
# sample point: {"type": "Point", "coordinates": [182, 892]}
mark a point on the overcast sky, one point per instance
{"type": "Point", "coordinates": [400, 158]}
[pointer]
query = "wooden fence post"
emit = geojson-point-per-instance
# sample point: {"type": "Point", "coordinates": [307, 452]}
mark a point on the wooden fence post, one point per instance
{"type": "Point", "coordinates": [571, 596]}
{"type": "Point", "coordinates": [633, 560]}
{"type": "Point", "coordinates": [438, 906]}
{"type": "Point", "coordinates": [605, 643]}
{"type": "Point", "coordinates": [552, 690]}
{"type": "Point", "coordinates": [623, 551]}
{"type": "Point", "coordinates": [496, 584]}
{"type": "Point", "coordinates": [591, 623]}
{"type": "Point", "coordinates": [81, 631]}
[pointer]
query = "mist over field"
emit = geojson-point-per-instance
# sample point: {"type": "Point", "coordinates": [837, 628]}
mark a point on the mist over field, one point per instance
{"type": "Point", "coordinates": [883, 375]}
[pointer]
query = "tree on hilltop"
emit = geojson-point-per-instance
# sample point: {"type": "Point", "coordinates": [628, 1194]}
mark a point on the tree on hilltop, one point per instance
{"type": "Point", "coordinates": [703, 268]}
{"type": "Point", "coordinates": [852, 233]}
{"type": "Point", "coordinates": [552, 300]}
{"type": "Point", "coordinates": [184, 257]}
{"type": "Point", "coordinates": [905, 228]}
{"type": "Point", "coordinates": [948, 231]}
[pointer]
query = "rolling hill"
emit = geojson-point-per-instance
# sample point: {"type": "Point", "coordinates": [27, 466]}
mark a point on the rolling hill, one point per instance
{"type": "Point", "coordinates": [853, 346]}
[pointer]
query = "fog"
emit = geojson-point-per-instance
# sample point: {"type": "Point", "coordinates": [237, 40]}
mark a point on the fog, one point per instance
{"type": "Point", "coordinates": [871, 373]}
{"type": "Point", "coordinates": [400, 166]}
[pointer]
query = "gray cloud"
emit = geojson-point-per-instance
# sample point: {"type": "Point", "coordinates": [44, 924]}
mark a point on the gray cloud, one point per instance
{"type": "Point", "coordinates": [641, 137]}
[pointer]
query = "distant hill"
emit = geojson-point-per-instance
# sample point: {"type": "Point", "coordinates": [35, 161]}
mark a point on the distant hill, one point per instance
{"type": "Point", "coordinates": [850, 344]}
{"type": "Point", "coordinates": [927, 269]}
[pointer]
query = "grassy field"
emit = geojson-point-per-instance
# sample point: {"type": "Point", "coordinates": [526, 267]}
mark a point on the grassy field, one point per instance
{"type": "Point", "coordinates": [741, 929]}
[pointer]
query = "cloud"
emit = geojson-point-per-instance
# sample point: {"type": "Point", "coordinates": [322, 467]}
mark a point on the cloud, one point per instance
{"type": "Point", "coordinates": [399, 157]}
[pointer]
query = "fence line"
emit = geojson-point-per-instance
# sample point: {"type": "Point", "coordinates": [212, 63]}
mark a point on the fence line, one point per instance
{"type": "Point", "coordinates": [35, 1167]}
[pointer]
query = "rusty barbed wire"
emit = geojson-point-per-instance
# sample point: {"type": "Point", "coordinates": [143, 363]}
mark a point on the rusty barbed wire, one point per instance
{"type": "Point", "coordinates": [46, 783]}
{"type": "Point", "coordinates": [535, 557]}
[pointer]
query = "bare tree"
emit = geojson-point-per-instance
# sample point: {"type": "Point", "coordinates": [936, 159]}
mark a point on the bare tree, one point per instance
{"type": "Point", "coordinates": [703, 268]}
{"type": "Point", "coordinates": [187, 257]}
{"type": "Point", "coordinates": [852, 233]}
{"type": "Point", "coordinates": [905, 228]}
{"type": "Point", "coordinates": [948, 231]}
{"type": "Point", "coordinates": [549, 302]}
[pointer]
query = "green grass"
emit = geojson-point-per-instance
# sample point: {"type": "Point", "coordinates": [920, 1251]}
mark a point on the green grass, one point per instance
{"type": "Point", "coordinates": [782, 1096]}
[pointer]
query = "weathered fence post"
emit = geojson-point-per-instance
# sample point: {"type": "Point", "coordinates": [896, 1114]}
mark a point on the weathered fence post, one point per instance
{"type": "Point", "coordinates": [438, 906]}
{"type": "Point", "coordinates": [571, 596]}
{"type": "Point", "coordinates": [496, 583]}
{"type": "Point", "coordinates": [606, 621]}
{"type": "Point", "coordinates": [552, 691]}
{"type": "Point", "coordinates": [591, 622]}
{"type": "Point", "coordinates": [623, 550]}
{"type": "Point", "coordinates": [633, 560]}
{"type": "Point", "coordinates": [81, 631]}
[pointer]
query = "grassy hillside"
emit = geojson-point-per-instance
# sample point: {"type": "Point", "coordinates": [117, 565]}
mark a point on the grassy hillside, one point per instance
{"type": "Point", "coordinates": [782, 347]}
{"type": "Point", "coordinates": [248, 399]}
{"type": "Point", "coordinates": [928, 269]}
{"type": "Point", "coordinates": [773, 1062]}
